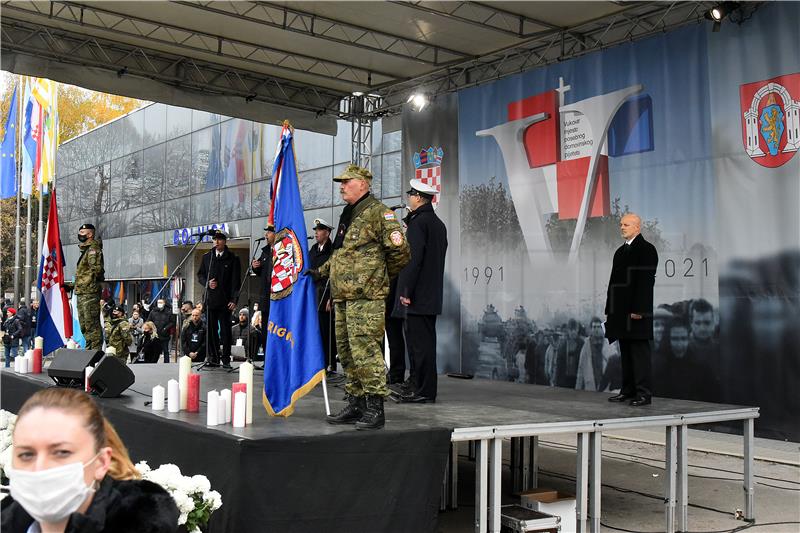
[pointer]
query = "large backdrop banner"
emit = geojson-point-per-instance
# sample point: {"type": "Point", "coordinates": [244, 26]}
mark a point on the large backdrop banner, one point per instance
{"type": "Point", "coordinates": [697, 132]}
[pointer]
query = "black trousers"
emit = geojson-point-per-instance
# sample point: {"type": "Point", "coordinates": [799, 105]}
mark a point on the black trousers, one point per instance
{"type": "Point", "coordinates": [219, 332]}
{"type": "Point", "coordinates": [328, 333]}
{"type": "Point", "coordinates": [636, 371]}
{"type": "Point", "coordinates": [421, 341]}
{"type": "Point", "coordinates": [397, 350]}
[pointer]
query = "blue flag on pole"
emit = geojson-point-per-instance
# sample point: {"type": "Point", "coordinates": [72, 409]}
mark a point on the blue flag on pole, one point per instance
{"type": "Point", "coordinates": [8, 153]}
{"type": "Point", "coordinates": [294, 361]}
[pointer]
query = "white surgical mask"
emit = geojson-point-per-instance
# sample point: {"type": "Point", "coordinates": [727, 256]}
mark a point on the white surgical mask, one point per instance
{"type": "Point", "coordinates": [50, 495]}
{"type": "Point", "coordinates": [161, 306]}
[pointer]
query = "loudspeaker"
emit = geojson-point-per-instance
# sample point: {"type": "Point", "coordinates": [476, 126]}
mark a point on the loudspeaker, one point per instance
{"type": "Point", "coordinates": [68, 366]}
{"type": "Point", "coordinates": [110, 377]}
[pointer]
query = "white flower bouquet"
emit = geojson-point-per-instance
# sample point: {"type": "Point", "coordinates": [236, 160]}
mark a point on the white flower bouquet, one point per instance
{"type": "Point", "coordinates": [192, 494]}
{"type": "Point", "coordinates": [7, 421]}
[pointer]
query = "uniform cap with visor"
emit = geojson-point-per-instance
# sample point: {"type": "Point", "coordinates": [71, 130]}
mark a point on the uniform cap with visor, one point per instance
{"type": "Point", "coordinates": [354, 172]}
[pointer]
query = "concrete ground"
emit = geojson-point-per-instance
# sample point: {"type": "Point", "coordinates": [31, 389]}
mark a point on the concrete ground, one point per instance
{"type": "Point", "coordinates": [633, 482]}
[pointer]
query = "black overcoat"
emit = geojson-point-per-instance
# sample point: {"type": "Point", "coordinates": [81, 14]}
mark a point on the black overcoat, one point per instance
{"type": "Point", "coordinates": [422, 279]}
{"type": "Point", "coordinates": [228, 273]}
{"type": "Point", "coordinates": [317, 258]}
{"type": "Point", "coordinates": [630, 290]}
{"type": "Point", "coordinates": [264, 273]}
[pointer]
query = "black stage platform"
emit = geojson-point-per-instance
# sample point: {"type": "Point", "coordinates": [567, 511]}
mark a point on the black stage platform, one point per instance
{"type": "Point", "coordinates": [302, 474]}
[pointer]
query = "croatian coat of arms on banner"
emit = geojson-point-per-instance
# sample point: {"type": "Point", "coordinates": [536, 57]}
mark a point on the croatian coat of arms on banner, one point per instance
{"type": "Point", "coordinates": [771, 119]}
{"type": "Point", "coordinates": [287, 264]}
{"type": "Point", "coordinates": [428, 169]}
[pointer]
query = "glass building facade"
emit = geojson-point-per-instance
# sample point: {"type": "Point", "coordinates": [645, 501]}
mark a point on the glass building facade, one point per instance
{"type": "Point", "coordinates": [162, 170]}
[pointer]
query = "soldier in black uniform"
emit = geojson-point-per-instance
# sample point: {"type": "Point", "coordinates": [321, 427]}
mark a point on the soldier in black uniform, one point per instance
{"type": "Point", "coordinates": [262, 267]}
{"type": "Point", "coordinates": [320, 252]}
{"type": "Point", "coordinates": [221, 273]}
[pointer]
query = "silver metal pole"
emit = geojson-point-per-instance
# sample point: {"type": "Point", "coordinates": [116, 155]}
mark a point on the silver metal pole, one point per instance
{"type": "Point", "coordinates": [26, 289]}
{"type": "Point", "coordinates": [18, 152]}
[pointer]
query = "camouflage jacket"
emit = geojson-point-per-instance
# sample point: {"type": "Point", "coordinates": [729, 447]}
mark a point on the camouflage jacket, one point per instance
{"type": "Point", "coordinates": [90, 271]}
{"type": "Point", "coordinates": [118, 335]}
{"type": "Point", "coordinates": [374, 251]}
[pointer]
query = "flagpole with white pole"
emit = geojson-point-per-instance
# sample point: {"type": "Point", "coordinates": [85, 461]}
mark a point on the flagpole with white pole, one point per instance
{"type": "Point", "coordinates": [26, 291]}
{"type": "Point", "coordinates": [18, 164]}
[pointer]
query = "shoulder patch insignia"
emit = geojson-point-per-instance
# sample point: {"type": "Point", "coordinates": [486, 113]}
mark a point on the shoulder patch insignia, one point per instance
{"type": "Point", "coordinates": [92, 252]}
{"type": "Point", "coordinates": [397, 238]}
{"type": "Point", "coordinates": [389, 215]}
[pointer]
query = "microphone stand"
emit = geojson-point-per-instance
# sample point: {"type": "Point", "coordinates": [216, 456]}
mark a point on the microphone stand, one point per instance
{"type": "Point", "coordinates": [248, 355]}
{"type": "Point", "coordinates": [171, 277]}
{"type": "Point", "coordinates": [206, 362]}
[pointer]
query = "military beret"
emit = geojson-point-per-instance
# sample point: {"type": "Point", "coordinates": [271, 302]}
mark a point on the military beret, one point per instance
{"type": "Point", "coordinates": [420, 187]}
{"type": "Point", "coordinates": [88, 225]}
{"type": "Point", "coordinates": [354, 172]}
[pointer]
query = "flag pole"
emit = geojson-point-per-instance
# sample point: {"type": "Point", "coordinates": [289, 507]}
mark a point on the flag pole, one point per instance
{"type": "Point", "coordinates": [18, 152]}
{"type": "Point", "coordinates": [325, 394]}
{"type": "Point", "coordinates": [26, 289]}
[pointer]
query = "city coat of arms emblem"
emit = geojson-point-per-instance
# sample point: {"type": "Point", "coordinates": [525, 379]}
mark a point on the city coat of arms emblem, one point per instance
{"type": "Point", "coordinates": [771, 119]}
{"type": "Point", "coordinates": [428, 169]}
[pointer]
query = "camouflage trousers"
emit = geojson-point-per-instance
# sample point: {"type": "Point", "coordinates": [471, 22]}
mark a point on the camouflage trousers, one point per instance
{"type": "Point", "coordinates": [89, 317]}
{"type": "Point", "coordinates": [359, 337]}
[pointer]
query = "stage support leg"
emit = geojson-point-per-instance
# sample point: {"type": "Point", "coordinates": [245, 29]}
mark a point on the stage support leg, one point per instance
{"type": "Point", "coordinates": [481, 483]}
{"type": "Point", "coordinates": [582, 482]}
{"type": "Point", "coordinates": [454, 475]}
{"type": "Point", "coordinates": [516, 464]}
{"type": "Point", "coordinates": [495, 483]}
{"type": "Point", "coordinates": [749, 488]}
{"type": "Point", "coordinates": [445, 492]}
{"type": "Point", "coordinates": [471, 450]}
{"type": "Point", "coordinates": [683, 478]}
{"type": "Point", "coordinates": [669, 469]}
{"type": "Point", "coordinates": [533, 482]}
{"type": "Point", "coordinates": [525, 454]}
{"type": "Point", "coordinates": [595, 479]}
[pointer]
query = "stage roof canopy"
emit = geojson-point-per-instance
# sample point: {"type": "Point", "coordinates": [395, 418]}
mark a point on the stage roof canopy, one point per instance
{"type": "Point", "coordinates": [298, 60]}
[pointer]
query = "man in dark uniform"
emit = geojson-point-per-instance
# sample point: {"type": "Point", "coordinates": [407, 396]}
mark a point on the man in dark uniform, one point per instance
{"type": "Point", "coordinates": [220, 273]}
{"type": "Point", "coordinates": [629, 310]}
{"type": "Point", "coordinates": [262, 267]}
{"type": "Point", "coordinates": [193, 336]}
{"type": "Point", "coordinates": [420, 286]}
{"type": "Point", "coordinates": [318, 254]}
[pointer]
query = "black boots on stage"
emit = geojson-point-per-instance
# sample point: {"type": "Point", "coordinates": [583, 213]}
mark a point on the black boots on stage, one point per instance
{"type": "Point", "coordinates": [366, 412]}
{"type": "Point", "coordinates": [356, 405]}
{"type": "Point", "coordinates": [373, 417]}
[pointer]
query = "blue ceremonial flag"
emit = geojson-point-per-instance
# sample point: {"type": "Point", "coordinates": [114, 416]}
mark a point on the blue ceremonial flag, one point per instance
{"type": "Point", "coordinates": [8, 150]}
{"type": "Point", "coordinates": [294, 361]}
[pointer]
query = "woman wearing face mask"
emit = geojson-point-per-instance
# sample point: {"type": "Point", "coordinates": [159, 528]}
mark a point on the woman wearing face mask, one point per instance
{"type": "Point", "coordinates": [71, 473]}
{"type": "Point", "coordinates": [149, 347]}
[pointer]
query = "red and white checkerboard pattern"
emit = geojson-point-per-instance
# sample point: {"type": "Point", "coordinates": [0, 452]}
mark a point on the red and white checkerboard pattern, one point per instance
{"type": "Point", "coordinates": [49, 273]}
{"type": "Point", "coordinates": [431, 176]}
{"type": "Point", "coordinates": [282, 276]}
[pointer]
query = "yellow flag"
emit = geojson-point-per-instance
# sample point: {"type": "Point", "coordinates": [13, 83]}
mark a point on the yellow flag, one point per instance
{"type": "Point", "coordinates": [43, 91]}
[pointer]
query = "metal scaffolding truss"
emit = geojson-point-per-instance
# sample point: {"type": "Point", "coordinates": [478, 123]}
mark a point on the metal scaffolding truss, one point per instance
{"type": "Point", "coordinates": [174, 70]}
{"type": "Point", "coordinates": [302, 22]}
{"type": "Point", "coordinates": [361, 108]}
{"type": "Point", "coordinates": [636, 21]}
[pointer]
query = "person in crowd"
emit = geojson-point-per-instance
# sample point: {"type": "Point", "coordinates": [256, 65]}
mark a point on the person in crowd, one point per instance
{"type": "Point", "coordinates": [318, 254]}
{"type": "Point", "coordinates": [243, 334]}
{"type": "Point", "coordinates": [71, 473]}
{"type": "Point", "coordinates": [118, 331]}
{"type": "Point", "coordinates": [262, 267]}
{"type": "Point", "coordinates": [702, 341]}
{"type": "Point", "coordinates": [420, 287]}
{"type": "Point", "coordinates": [186, 313]}
{"type": "Point", "coordinates": [680, 376]}
{"type": "Point", "coordinates": [256, 323]}
{"type": "Point", "coordinates": [34, 318]}
{"type": "Point", "coordinates": [162, 317]}
{"type": "Point", "coordinates": [24, 316]}
{"type": "Point", "coordinates": [594, 357]}
{"type": "Point", "coordinates": [193, 337]}
{"type": "Point", "coordinates": [369, 250]}
{"type": "Point", "coordinates": [220, 272]}
{"type": "Point", "coordinates": [12, 334]}
{"type": "Point", "coordinates": [89, 274]}
{"type": "Point", "coordinates": [543, 341]}
{"type": "Point", "coordinates": [568, 355]}
{"type": "Point", "coordinates": [136, 324]}
{"type": "Point", "coordinates": [551, 355]}
{"type": "Point", "coordinates": [629, 310]}
{"type": "Point", "coordinates": [148, 348]}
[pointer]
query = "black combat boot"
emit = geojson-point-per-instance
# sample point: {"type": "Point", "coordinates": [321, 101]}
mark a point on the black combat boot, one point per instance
{"type": "Point", "coordinates": [373, 416]}
{"type": "Point", "coordinates": [355, 408]}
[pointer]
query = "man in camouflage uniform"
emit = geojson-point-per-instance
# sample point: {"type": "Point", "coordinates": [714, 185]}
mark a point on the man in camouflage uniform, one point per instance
{"type": "Point", "coordinates": [118, 332]}
{"type": "Point", "coordinates": [89, 273]}
{"type": "Point", "coordinates": [369, 250]}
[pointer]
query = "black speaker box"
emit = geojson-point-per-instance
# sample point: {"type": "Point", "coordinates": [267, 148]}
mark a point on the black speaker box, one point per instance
{"type": "Point", "coordinates": [68, 366]}
{"type": "Point", "coordinates": [110, 377]}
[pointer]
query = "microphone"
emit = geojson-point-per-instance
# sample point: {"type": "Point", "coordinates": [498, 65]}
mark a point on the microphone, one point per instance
{"type": "Point", "coordinates": [311, 238]}
{"type": "Point", "coordinates": [204, 233]}
{"type": "Point", "coordinates": [398, 206]}
{"type": "Point", "coordinates": [259, 239]}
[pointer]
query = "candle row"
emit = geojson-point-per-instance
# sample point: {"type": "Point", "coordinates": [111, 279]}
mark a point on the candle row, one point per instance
{"type": "Point", "coordinates": [219, 411]}
{"type": "Point", "coordinates": [30, 363]}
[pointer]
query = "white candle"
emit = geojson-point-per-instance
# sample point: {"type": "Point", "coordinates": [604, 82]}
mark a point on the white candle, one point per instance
{"type": "Point", "coordinates": [38, 342]}
{"type": "Point", "coordinates": [16, 364]}
{"type": "Point", "coordinates": [246, 376]}
{"type": "Point", "coordinates": [86, 373]}
{"type": "Point", "coordinates": [158, 398]}
{"type": "Point", "coordinates": [26, 364]}
{"type": "Point", "coordinates": [71, 344]}
{"type": "Point", "coordinates": [222, 408]}
{"type": "Point", "coordinates": [212, 414]}
{"type": "Point", "coordinates": [184, 368]}
{"type": "Point", "coordinates": [239, 409]}
{"type": "Point", "coordinates": [226, 396]}
{"type": "Point", "coordinates": [173, 396]}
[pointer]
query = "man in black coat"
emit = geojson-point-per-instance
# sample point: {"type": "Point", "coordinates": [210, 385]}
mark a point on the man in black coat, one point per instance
{"type": "Point", "coordinates": [420, 285]}
{"type": "Point", "coordinates": [262, 267]}
{"type": "Point", "coordinates": [162, 317]}
{"type": "Point", "coordinates": [318, 254]}
{"type": "Point", "coordinates": [220, 272]}
{"type": "Point", "coordinates": [629, 310]}
{"type": "Point", "coordinates": [193, 336]}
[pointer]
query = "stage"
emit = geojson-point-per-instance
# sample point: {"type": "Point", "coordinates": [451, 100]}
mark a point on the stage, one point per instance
{"type": "Point", "coordinates": [302, 474]}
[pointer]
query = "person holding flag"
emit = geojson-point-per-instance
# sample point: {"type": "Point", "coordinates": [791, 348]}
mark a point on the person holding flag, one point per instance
{"type": "Point", "coordinates": [54, 319]}
{"type": "Point", "coordinates": [368, 251]}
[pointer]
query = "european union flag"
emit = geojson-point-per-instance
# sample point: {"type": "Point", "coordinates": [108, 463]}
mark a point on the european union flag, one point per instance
{"type": "Point", "coordinates": [8, 160]}
{"type": "Point", "coordinates": [294, 361]}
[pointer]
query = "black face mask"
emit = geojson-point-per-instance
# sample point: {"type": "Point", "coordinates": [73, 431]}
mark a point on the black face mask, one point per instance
{"type": "Point", "coordinates": [83, 238]}
{"type": "Point", "coordinates": [146, 333]}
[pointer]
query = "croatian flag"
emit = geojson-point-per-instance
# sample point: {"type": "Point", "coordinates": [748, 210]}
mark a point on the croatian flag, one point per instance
{"type": "Point", "coordinates": [55, 317]}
